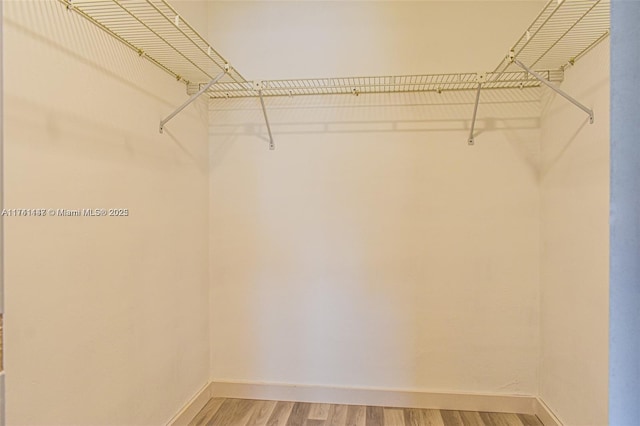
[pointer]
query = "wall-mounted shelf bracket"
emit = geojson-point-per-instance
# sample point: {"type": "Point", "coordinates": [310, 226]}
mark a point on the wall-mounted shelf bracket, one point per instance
{"type": "Point", "coordinates": [258, 85]}
{"type": "Point", "coordinates": [553, 87]}
{"type": "Point", "coordinates": [194, 97]}
{"type": "Point", "coordinates": [480, 78]}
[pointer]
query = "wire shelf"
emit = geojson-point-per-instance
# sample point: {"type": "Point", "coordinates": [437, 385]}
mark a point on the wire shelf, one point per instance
{"type": "Point", "coordinates": [156, 31]}
{"type": "Point", "coordinates": [562, 33]}
{"type": "Point", "coordinates": [386, 84]}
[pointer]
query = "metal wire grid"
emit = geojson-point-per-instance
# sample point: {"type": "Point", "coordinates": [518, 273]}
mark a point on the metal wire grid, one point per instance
{"type": "Point", "coordinates": [387, 84]}
{"type": "Point", "coordinates": [562, 32]}
{"type": "Point", "coordinates": [156, 31]}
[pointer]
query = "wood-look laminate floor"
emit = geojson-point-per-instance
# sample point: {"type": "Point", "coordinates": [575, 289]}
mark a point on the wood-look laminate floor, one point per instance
{"type": "Point", "coordinates": [245, 412]}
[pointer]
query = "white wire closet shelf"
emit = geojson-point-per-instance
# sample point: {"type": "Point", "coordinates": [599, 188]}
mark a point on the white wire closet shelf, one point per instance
{"type": "Point", "coordinates": [560, 35]}
{"type": "Point", "coordinates": [385, 84]}
{"type": "Point", "coordinates": [157, 32]}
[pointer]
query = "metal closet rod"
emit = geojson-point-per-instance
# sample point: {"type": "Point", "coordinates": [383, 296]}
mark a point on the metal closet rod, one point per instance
{"type": "Point", "coordinates": [481, 78]}
{"type": "Point", "coordinates": [259, 86]}
{"type": "Point", "coordinates": [154, 23]}
{"type": "Point", "coordinates": [381, 84]}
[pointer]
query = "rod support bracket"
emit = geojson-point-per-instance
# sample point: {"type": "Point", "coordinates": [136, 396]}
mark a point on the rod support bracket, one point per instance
{"type": "Point", "coordinates": [556, 89]}
{"type": "Point", "coordinates": [481, 77]}
{"type": "Point", "coordinates": [471, 141]}
{"type": "Point", "coordinates": [258, 85]}
{"type": "Point", "coordinates": [191, 99]}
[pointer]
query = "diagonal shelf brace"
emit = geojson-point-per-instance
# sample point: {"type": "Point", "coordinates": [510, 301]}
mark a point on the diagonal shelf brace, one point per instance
{"type": "Point", "coordinates": [480, 78]}
{"type": "Point", "coordinates": [272, 146]}
{"type": "Point", "coordinates": [471, 140]}
{"type": "Point", "coordinates": [556, 89]}
{"type": "Point", "coordinates": [193, 98]}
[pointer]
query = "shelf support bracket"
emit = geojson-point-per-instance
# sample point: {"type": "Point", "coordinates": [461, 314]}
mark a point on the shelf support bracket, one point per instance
{"type": "Point", "coordinates": [193, 98]}
{"type": "Point", "coordinates": [471, 140]}
{"type": "Point", "coordinates": [272, 146]}
{"type": "Point", "coordinates": [553, 87]}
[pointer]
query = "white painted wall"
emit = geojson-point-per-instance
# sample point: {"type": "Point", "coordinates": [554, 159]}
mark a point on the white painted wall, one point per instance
{"type": "Point", "coordinates": [374, 248]}
{"type": "Point", "coordinates": [312, 39]}
{"type": "Point", "coordinates": [106, 318]}
{"type": "Point", "coordinates": [574, 191]}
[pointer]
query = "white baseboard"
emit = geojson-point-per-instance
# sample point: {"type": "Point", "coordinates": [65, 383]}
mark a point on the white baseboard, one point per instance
{"type": "Point", "coordinates": [544, 413]}
{"type": "Point", "coordinates": [366, 396]}
{"type": "Point", "coordinates": [375, 396]}
{"type": "Point", "coordinates": [192, 407]}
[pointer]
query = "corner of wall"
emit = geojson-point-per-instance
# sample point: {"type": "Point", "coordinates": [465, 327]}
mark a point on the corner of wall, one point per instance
{"type": "Point", "coordinates": [574, 221]}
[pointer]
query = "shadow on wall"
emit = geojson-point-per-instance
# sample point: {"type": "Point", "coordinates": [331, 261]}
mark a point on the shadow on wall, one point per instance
{"type": "Point", "coordinates": [115, 304]}
{"type": "Point", "coordinates": [48, 33]}
{"type": "Point", "coordinates": [502, 109]}
{"type": "Point", "coordinates": [41, 22]}
{"type": "Point", "coordinates": [558, 109]}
